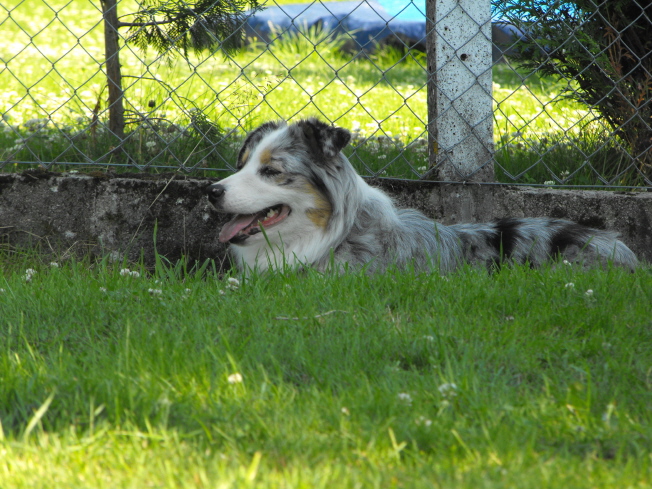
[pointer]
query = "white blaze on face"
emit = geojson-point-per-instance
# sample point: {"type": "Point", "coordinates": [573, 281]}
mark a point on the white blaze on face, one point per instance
{"type": "Point", "coordinates": [285, 212]}
{"type": "Point", "coordinates": [246, 191]}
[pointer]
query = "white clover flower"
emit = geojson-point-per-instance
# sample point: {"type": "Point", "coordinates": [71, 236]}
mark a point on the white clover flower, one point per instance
{"type": "Point", "coordinates": [448, 390]}
{"type": "Point", "coordinates": [566, 262]}
{"type": "Point", "coordinates": [606, 416]}
{"type": "Point", "coordinates": [405, 397]}
{"type": "Point", "coordinates": [54, 264]}
{"type": "Point", "coordinates": [549, 182]}
{"type": "Point", "coordinates": [569, 285]}
{"type": "Point", "coordinates": [102, 289]}
{"type": "Point", "coordinates": [125, 272]}
{"type": "Point", "coordinates": [589, 293]}
{"type": "Point", "coordinates": [29, 273]}
{"type": "Point", "coordinates": [423, 421]}
{"type": "Point", "coordinates": [235, 378]}
{"type": "Point", "coordinates": [233, 283]}
{"type": "Point", "coordinates": [36, 124]}
{"type": "Point", "coordinates": [155, 291]}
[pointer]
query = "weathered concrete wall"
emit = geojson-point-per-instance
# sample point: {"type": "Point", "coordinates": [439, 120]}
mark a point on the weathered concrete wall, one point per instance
{"type": "Point", "coordinates": [102, 214]}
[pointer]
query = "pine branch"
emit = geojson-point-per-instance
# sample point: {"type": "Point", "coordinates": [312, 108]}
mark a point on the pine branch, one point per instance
{"type": "Point", "coordinates": [173, 25]}
{"type": "Point", "coordinates": [601, 46]}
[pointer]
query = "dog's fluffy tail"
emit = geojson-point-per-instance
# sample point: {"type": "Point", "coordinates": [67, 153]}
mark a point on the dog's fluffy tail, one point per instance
{"type": "Point", "coordinates": [537, 240]}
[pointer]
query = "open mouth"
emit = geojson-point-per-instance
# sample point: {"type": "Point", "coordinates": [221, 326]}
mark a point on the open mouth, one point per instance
{"type": "Point", "coordinates": [238, 229]}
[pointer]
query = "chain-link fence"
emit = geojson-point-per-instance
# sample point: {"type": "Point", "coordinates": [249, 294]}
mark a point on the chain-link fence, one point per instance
{"type": "Point", "coordinates": [359, 64]}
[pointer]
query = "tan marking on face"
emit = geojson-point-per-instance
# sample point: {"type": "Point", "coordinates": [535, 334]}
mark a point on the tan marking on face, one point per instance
{"type": "Point", "coordinates": [266, 156]}
{"type": "Point", "coordinates": [281, 179]}
{"type": "Point", "coordinates": [319, 217]}
{"type": "Point", "coordinates": [245, 157]}
{"type": "Point", "coordinates": [321, 213]}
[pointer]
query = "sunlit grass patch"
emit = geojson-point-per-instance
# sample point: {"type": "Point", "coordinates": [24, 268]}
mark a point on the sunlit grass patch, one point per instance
{"type": "Point", "coordinates": [194, 114]}
{"type": "Point", "coordinates": [180, 378]}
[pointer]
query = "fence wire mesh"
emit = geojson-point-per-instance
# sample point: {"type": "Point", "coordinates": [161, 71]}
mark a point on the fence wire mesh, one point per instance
{"type": "Point", "coordinates": [359, 64]}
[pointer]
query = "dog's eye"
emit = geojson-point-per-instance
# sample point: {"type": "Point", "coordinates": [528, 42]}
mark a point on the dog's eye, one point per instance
{"type": "Point", "coordinates": [268, 171]}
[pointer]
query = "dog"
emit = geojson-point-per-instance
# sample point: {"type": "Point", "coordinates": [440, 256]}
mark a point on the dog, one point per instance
{"type": "Point", "coordinates": [297, 200]}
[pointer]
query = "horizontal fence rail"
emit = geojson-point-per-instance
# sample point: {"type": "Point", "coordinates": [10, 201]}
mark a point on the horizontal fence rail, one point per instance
{"type": "Point", "coordinates": [503, 92]}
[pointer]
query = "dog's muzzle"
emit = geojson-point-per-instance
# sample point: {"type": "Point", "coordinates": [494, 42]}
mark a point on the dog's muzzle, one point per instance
{"type": "Point", "coordinates": [215, 193]}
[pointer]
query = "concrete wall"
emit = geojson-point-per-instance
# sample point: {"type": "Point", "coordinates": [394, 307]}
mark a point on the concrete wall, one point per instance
{"type": "Point", "coordinates": [104, 214]}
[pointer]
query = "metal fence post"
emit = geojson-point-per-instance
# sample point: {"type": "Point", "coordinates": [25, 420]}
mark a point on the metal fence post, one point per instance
{"type": "Point", "coordinates": [460, 119]}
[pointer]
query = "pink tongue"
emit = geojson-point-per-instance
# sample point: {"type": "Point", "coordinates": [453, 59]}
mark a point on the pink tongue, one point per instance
{"type": "Point", "coordinates": [236, 224]}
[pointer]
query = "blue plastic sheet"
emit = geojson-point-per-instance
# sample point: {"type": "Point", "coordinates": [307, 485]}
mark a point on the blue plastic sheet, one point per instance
{"type": "Point", "coordinates": [368, 24]}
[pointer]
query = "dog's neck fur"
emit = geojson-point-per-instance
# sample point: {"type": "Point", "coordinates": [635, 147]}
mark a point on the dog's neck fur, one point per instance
{"type": "Point", "coordinates": [374, 231]}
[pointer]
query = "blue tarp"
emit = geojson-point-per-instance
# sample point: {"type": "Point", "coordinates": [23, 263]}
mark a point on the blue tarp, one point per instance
{"type": "Point", "coordinates": [368, 23]}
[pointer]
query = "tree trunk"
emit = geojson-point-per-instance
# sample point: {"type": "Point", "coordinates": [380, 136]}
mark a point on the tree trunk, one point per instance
{"type": "Point", "coordinates": [113, 74]}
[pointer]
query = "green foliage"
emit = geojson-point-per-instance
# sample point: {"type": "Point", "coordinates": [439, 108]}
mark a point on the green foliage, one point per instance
{"type": "Point", "coordinates": [376, 96]}
{"type": "Point", "coordinates": [604, 49]}
{"type": "Point", "coordinates": [167, 25]}
{"type": "Point", "coordinates": [179, 377]}
{"type": "Point", "coordinates": [306, 42]}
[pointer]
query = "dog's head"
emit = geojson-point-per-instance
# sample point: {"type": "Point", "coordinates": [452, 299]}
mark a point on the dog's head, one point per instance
{"type": "Point", "coordinates": [282, 182]}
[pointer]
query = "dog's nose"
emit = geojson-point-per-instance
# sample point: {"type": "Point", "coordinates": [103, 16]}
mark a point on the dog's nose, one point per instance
{"type": "Point", "coordinates": [215, 192]}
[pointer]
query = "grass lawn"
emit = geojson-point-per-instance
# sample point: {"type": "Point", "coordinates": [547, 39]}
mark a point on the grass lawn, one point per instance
{"type": "Point", "coordinates": [53, 88]}
{"type": "Point", "coordinates": [171, 379]}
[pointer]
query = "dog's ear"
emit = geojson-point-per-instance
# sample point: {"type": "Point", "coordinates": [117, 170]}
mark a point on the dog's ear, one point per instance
{"type": "Point", "coordinates": [329, 139]}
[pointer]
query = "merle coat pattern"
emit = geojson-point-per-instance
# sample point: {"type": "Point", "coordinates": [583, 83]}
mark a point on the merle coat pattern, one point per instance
{"type": "Point", "coordinates": [297, 200]}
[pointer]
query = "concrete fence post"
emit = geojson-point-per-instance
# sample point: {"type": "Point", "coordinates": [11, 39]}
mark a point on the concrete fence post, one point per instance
{"type": "Point", "coordinates": [460, 119]}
